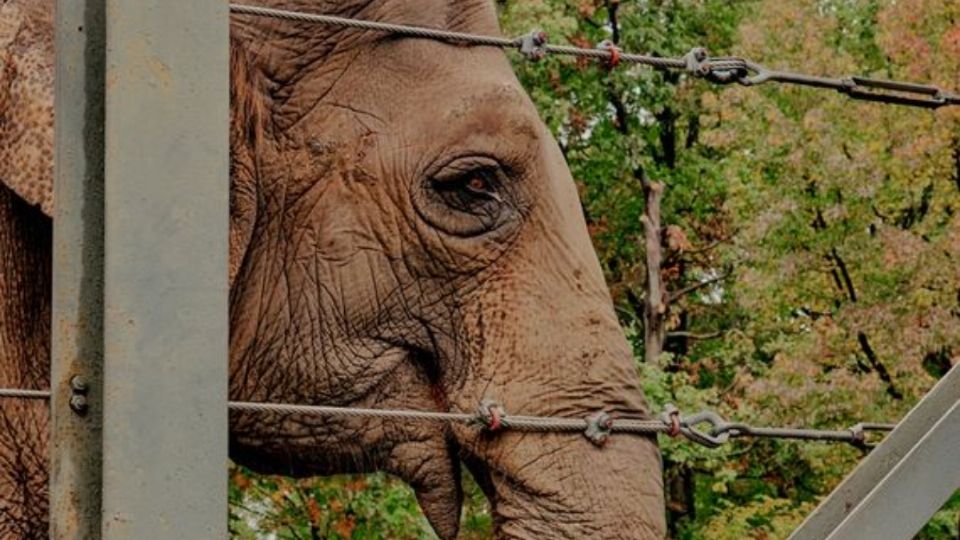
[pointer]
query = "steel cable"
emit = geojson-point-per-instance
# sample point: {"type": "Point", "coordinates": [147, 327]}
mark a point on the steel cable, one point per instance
{"type": "Point", "coordinates": [348, 412]}
{"type": "Point", "coordinates": [396, 29]}
{"type": "Point", "coordinates": [721, 70]}
{"type": "Point", "coordinates": [18, 393]}
{"type": "Point", "coordinates": [597, 427]}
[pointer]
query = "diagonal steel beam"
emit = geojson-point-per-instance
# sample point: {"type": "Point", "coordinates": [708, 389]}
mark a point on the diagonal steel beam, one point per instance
{"type": "Point", "coordinates": [915, 458]}
{"type": "Point", "coordinates": [914, 490]}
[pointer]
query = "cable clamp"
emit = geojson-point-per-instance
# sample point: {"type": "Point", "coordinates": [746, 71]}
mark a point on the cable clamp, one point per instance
{"type": "Point", "coordinates": [599, 427]}
{"type": "Point", "coordinates": [695, 59]}
{"type": "Point", "coordinates": [858, 433]}
{"type": "Point", "coordinates": [720, 70]}
{"type": "Point", "coordinates": [533, 45]}
{"type": "Point", "coordinates": [613, 60]}
{"type": "Point", "coordinates": [490, 416]}
{"type": "Point", "coordinates": [671, 417]}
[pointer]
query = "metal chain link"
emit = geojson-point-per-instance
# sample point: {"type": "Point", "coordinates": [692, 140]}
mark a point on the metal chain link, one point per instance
{"type": "Point", "coordinates": [718, 70]}
{"type": "Point", "coordinates": [597, 427]}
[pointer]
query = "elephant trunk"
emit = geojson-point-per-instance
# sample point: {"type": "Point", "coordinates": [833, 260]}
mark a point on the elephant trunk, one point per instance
{"type": "Point", "coordinates": [566, 357]}
{"type": "Point", "coordinates": [557, 486]}
{"type": "Point", "coordinates": [539, 336]}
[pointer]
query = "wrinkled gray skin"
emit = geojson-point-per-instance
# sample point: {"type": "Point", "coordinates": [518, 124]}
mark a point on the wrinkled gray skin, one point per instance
{"type": "Point", "coordinates": [404, 234]}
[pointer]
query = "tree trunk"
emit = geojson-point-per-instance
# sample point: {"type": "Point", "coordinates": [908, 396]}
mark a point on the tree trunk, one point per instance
{"type": "Point", "coordinates": [655, 307]}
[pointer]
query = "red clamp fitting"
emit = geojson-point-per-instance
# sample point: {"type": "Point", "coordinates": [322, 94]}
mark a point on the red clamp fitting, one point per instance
{"type": "Point", "coordinates": [490, 415]}
{"type": "Point", "coordinates": [614, 59]}
{"type": "Point", "coordinates": [671, 416]}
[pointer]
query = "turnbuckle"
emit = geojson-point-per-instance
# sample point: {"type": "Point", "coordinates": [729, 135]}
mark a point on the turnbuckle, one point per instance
{"type": "Point", "coordinates": [879, 90]}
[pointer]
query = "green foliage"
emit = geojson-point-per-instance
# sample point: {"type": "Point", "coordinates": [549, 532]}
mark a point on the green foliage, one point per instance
{"type": "Point", "coordinates": [345, 507]}
{"type": "Point", "coordinates": [830, 227]}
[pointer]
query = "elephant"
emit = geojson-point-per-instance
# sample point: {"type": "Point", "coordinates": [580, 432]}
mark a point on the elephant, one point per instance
{"type": "Point", "coordinates": [405, 234]}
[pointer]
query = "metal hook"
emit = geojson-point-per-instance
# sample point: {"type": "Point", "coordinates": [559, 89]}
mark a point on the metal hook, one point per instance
{"type": "Point", "coordinates": [716, 436]}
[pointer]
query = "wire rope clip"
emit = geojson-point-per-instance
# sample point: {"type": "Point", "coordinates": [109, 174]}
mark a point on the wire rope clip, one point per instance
{"type": "Point", "coordinates": [490, 415]}
{"type": "Point", "coordinates": [858, 433]}
{"type": "Point", "coordinates": [695, 59]}
{"type": "Point", "coordinates": [613, 60]}
{"type": "Point", "coordinates": [599, 427]}
{"type": "Point", "coordinates": [671, 417]}
{"type": "Point", "coordinates": [722, 70]}
{"type": "Point", "coordinates": [533, 45]}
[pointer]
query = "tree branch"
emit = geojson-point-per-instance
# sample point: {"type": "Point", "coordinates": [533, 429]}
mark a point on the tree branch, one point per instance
{"type": "Point", "coordinates": [613, 6]}
{"type": "Point", "coordinates": [845, 274]}
{"type": "Point", "coordinates": [621, 114]}
{"type": "Point", "coordinates": [841, 277]}
{"type": "Point", "coordinates": [956, 162]}
{"type": "Point", "coordinates": [878, 366]}
{"type": "Point", "coordinates": [697, 286]}
{"type": "Point", "coordinates": [694, 336]}
{"type": "Point", "coordinates": [655, 304]}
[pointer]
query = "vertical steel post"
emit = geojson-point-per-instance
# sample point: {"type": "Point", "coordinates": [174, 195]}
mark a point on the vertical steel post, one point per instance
{"type": "Point", "coordinates": [165, 270]}
{"type": "Point", "coordinates": [77, 337]}
{"type": "Point", "coordinates": [148, 115]}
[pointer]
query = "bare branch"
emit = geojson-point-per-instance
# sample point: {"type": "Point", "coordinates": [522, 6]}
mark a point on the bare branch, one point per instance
{"type": "Point", "coordinates": [692, 335]}
{"type": "Point", "coordinates": [697, 286]}
{"type": "Point", "coordinates": [656, 298]}
{"type": "Point", "coordinates": [878, 366]}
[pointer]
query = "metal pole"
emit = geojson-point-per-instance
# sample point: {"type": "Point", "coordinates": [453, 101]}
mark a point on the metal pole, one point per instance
{"type": "Point", "coordinates": [883, 459]}
{"type": "Point", "coordinates": [140, 292]}
{"type": "Point", "coordinates": [165, 270]}
{"type": "Point", "coordinates": [913, 491]}
{"type": "Point", "coordinates": [77, 337]}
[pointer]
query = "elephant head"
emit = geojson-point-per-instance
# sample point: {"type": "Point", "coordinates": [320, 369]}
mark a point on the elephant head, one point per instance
{"type": "Point", "coordinates": [405, 234]}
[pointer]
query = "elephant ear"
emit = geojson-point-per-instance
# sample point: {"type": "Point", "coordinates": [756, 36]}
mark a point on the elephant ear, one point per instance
{"type": "Point", "coordinates": [26, 100]}
{"type": "Point", "coordinates": [246, 136]}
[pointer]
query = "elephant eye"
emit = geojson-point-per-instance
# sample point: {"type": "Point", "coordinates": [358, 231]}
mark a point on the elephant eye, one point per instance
{"type": "Point", "coordinates": [468, 196]}
{"type": "Point", "coordinates": [480, 184]}
{"type": "Point", "coordinates": [475, 190]}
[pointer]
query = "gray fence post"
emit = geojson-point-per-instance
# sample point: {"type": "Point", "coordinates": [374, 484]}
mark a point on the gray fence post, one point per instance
{"type": "Point", "coordinates": [77, 336]}
{"type": "Point", "coordinates": [140, 293]}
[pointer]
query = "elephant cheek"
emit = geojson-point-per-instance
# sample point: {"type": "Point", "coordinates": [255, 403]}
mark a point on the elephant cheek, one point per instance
{"type": "Point", "coordinates": [432, 469]}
